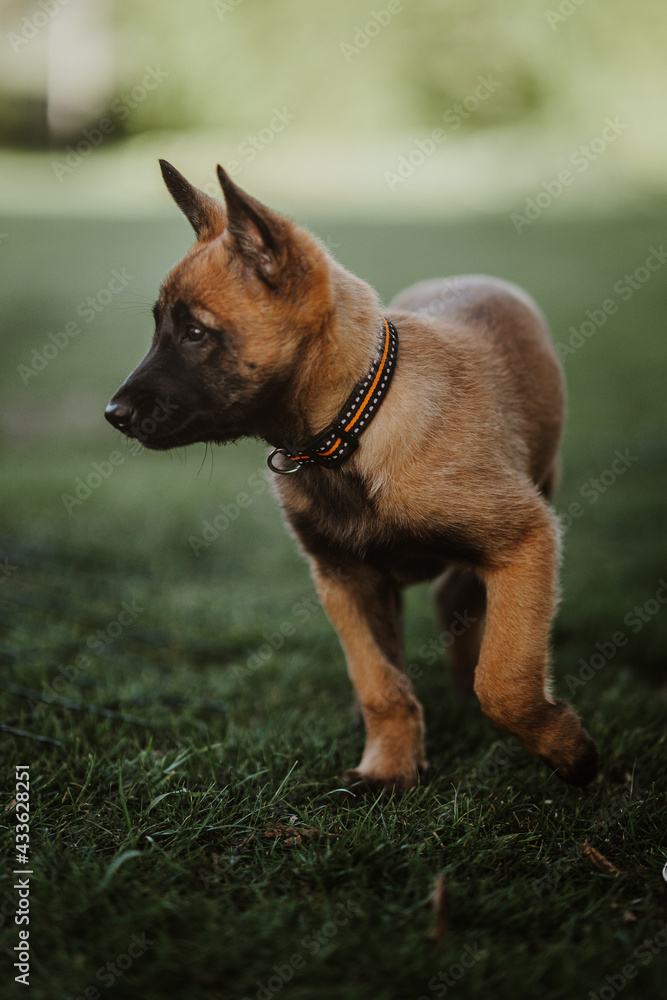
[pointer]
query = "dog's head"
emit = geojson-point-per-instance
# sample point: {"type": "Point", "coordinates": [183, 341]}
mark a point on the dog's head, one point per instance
{"type": "Point", "coordinates": [231, 324]}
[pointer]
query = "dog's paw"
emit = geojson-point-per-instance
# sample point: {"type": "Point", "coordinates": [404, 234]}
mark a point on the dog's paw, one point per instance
{"type": "Point", "coordinates": [569, 750]}
{"type": "Point", "coordinates": [581, 766]}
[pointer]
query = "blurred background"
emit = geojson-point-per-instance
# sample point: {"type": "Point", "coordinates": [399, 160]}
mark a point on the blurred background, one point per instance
{"type": "Point", "coordinates": [359, 86]}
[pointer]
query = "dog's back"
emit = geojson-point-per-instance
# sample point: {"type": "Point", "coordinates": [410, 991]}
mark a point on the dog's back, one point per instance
{"type": "Point", "coordinates": [508, 340]}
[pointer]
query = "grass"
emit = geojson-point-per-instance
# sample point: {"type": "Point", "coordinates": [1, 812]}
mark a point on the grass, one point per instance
{"type": "Point", "coordinates": [196, 838]}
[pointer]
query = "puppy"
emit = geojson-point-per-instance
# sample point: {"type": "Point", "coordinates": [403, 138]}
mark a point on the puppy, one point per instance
{"type": "Point", "coordinates": [409, 444]}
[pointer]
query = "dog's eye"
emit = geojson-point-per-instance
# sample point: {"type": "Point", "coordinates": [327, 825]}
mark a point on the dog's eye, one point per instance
{"type": "Point", "coordinates": [193, 333]}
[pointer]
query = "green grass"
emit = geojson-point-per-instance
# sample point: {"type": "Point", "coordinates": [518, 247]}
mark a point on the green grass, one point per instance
{"type": "Point", "coordinates": [174, 818]}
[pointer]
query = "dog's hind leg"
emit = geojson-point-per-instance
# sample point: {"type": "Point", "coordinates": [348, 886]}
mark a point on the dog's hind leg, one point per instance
{"type": "Point", "coordinates": [460, 600]}
{"type": "Point", "coordinates": [512, 677]}
{"type": "Point", "coordinates": [363, 605]}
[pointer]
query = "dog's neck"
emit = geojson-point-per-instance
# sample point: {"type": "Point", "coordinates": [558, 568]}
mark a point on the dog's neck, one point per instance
{"type": "Point", "coordinates": [335, 357]}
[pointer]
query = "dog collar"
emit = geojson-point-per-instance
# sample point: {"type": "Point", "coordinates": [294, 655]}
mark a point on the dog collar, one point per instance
{"type": "Point", "coordinates": [338, 442]}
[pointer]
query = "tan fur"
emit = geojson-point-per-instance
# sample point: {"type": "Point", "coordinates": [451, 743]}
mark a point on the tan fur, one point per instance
{"type": "Point", "coordinates": [451, 479]}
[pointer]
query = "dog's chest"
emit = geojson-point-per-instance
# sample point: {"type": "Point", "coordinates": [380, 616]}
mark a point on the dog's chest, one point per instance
{"type": "Point", "coordinates": [330, 510]}
{"type": "Point", "coordinates": [337, 519]}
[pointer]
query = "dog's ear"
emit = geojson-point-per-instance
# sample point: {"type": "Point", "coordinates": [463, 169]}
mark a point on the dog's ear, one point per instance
{"type": "Point", "coordinates": [254, 228]}
{"type": "Point", "coordinates": [205, 214]}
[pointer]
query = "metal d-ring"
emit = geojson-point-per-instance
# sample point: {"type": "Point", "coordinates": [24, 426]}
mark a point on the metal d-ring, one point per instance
{"type": "Point", "coordinates": [274, 468]}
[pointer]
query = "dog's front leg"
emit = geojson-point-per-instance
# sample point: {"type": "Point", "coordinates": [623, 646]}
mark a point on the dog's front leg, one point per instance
{"type": "Point", "coordinates": [363, 605]}
{"type": "Point", "coordinates": [512, 677]}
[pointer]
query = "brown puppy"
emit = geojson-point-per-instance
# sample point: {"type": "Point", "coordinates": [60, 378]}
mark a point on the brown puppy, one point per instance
{"type": "Point", "coordinates": [447, 471]}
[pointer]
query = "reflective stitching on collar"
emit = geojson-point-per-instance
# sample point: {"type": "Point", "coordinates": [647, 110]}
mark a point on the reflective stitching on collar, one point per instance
{"type": "Point", "coordinates": [337, 442]}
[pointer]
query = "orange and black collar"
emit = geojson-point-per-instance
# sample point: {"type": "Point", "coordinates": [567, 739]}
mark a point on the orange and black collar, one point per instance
{"type": "Point", "coordinates": [337, 442]}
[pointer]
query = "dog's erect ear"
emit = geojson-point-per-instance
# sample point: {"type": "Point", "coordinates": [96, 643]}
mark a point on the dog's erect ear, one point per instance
{"type": "Point", "coordinates": [254, 229]}
{"type": "Point", "coordinates": [206, 214]}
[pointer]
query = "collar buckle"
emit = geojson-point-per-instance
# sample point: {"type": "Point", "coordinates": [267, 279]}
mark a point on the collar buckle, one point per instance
{"type": "Point", "coordinates": [282, 472]}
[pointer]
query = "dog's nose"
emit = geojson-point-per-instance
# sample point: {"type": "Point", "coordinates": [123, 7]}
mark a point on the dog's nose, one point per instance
{"type": "Point", "coordinates": [120, 415]}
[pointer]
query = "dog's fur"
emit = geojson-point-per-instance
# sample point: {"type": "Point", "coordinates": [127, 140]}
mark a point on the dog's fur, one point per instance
{"type": "Point", "coordinates": [259, 332]}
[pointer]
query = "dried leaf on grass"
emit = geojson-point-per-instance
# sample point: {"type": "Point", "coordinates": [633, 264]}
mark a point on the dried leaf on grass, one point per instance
{"type": "Point", "coordinates": [291, 835]}
{"type": "Point", "coordinates": [599, 860]}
